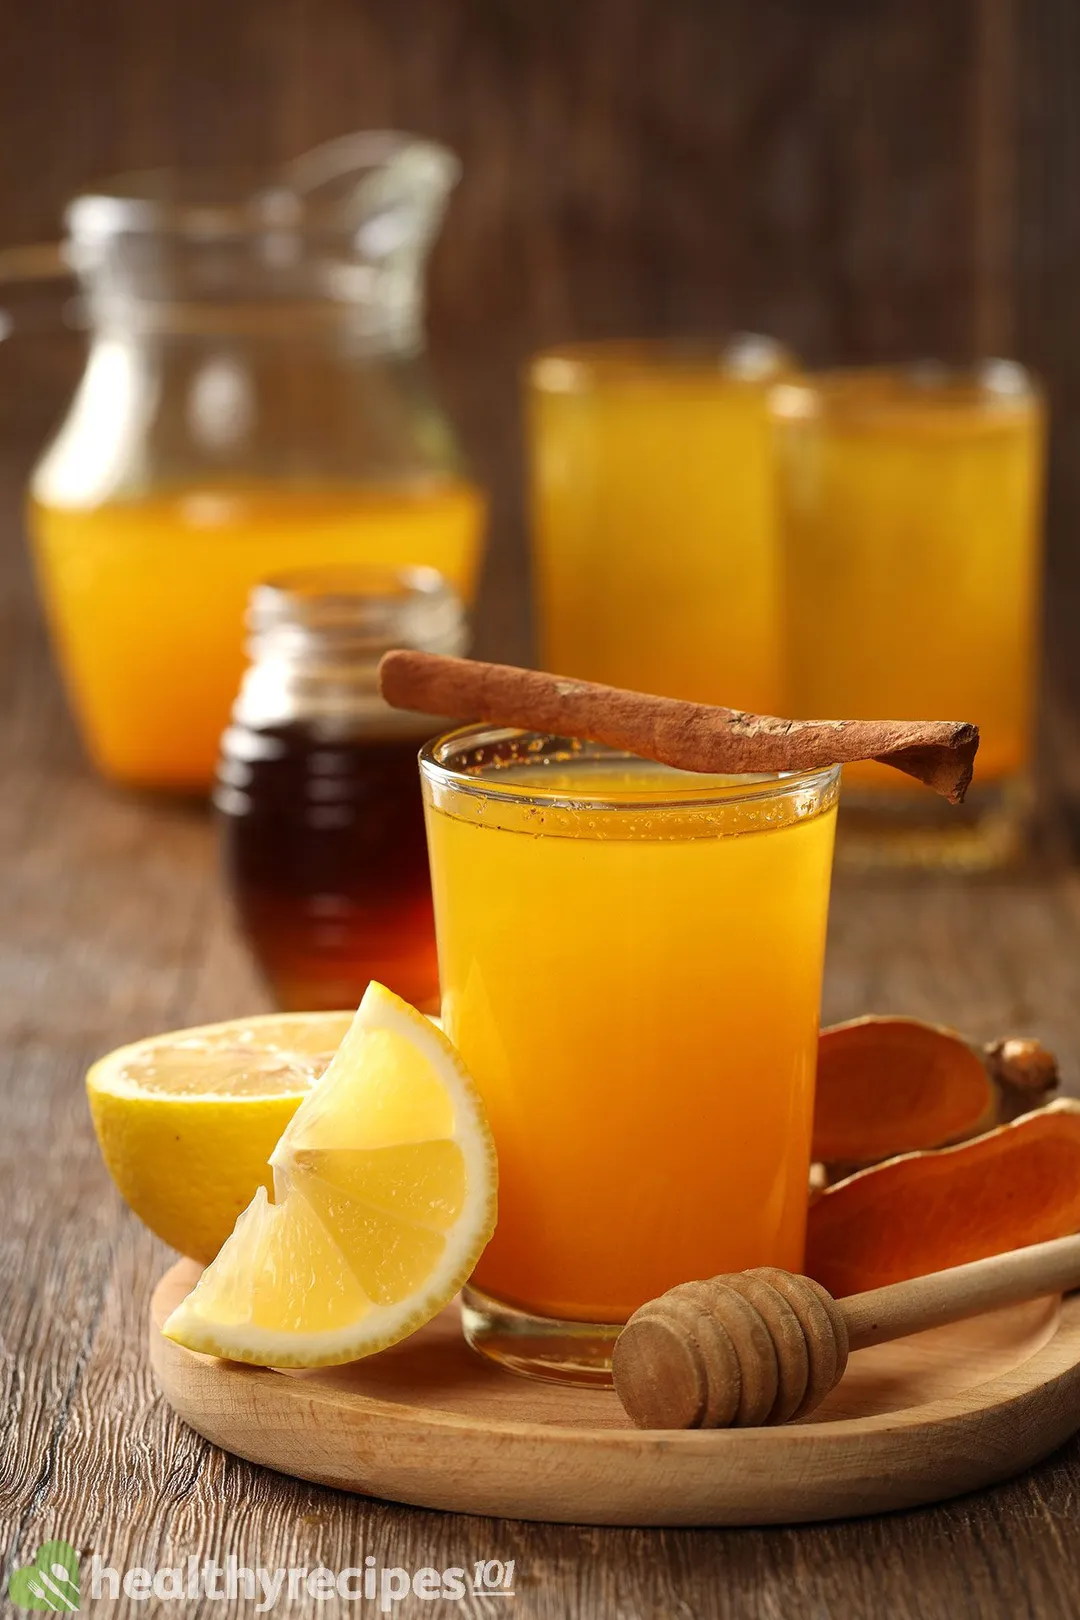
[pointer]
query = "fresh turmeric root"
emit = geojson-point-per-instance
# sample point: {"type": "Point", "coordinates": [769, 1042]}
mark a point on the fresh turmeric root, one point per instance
{"type": "Point", "coordinates": [922, 1117]}
{"type": "Point", "coordinates": [887, 1086]}
{"type": "Point", "coordinates": [925, 1211]}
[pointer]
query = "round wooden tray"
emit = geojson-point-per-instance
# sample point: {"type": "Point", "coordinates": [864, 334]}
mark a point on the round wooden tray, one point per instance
{"type": "Point", "coordinates": [429, 1423]}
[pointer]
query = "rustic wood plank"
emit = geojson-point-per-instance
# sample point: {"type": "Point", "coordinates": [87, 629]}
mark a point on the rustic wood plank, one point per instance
{"type": "Point", "coordinates": [629, 167]}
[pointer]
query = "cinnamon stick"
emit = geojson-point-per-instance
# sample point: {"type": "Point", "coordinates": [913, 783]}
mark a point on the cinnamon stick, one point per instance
{"type": "Point", "coordinates": [689, 736]}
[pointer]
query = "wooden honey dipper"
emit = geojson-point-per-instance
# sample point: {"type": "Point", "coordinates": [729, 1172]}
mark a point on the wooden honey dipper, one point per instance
{"type": "Point", "coordinates": [766, 1346]}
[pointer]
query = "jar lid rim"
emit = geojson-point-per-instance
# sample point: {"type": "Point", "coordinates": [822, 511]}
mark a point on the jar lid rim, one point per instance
{"type": "Point", "coordinates": [365, 607]}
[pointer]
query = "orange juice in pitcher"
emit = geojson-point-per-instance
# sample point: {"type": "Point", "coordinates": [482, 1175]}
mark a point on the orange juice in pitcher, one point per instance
{"type": "Point", "coordinates": [255, 400]}
{"type": "Point", "coordinates": [146, 598]}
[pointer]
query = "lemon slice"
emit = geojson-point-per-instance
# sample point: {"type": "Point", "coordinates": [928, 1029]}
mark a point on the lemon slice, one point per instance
{"type": "Point", "coordinates": [186, 1122]}
{"type": "Point", "coordinates": [384, 1197]}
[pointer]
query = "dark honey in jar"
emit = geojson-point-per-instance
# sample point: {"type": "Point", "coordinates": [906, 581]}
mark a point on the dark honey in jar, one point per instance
{"type": "Point", "coordinates": [319, 790]}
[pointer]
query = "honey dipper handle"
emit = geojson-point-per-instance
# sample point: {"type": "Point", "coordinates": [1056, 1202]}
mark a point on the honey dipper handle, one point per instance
{"type": "Point", "coordinates": [950, 1296]}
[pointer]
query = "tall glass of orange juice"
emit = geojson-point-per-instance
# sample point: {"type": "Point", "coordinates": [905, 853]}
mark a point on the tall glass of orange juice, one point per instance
{"type": "Point", "coordinates": [255, 401]}
{"type": "Point", "coordinates": [631, 962]}
{"type": "Point", "coordinates": [654, 517]}
{"type": "Point", "coordinates": [912, 514]}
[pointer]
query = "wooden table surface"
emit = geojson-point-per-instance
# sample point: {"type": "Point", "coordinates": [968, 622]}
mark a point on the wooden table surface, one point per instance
{"type": "Point", "coordinates": [113, 927]}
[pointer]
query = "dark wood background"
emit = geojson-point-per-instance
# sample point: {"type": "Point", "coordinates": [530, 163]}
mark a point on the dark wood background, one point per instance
{"type": "Point", "coordinates": [867, 179]}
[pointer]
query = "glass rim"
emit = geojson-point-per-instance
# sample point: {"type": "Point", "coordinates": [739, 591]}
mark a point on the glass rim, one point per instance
{"type": "Point", "coordinates": [994, 382]}
{"type": "Point", "coordinates": [747, 357]}
{"type": "Point", "coordinates": [744, 789]}
{"type": "Point", "coordinates": [209, 201]}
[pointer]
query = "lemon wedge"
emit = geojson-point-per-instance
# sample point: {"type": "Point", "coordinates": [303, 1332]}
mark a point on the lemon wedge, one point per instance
{"type": "Point", "coordinates": [384, 1197]}
{"type": "Point", "coordinates": [186, 1122]}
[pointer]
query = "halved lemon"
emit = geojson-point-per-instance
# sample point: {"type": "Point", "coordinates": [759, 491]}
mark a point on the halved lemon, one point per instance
{"type": "Point", "coordinates": [186, 1122]}
{"type": "Point", "coordinates": [384, 1197]}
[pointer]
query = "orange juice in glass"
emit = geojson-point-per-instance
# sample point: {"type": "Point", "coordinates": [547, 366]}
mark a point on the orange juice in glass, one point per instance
{"type": "Point", "coordinates": [654, 517]}
{"type": "Point", "coordinates": [912, 513]}
{"type": "Point", "coordinates": [631, 962]}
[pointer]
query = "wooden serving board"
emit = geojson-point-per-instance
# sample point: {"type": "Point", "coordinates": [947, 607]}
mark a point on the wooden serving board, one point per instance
{"type": "Point", "coordinates": [430, 1423]}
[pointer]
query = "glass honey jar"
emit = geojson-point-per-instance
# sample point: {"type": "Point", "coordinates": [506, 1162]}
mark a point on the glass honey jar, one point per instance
{"type": "Point", "coordinates": [318, 789]}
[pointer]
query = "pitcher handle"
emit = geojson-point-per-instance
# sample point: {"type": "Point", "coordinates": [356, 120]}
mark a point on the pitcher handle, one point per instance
{"type": "Point", "coordinates": [35, 261]}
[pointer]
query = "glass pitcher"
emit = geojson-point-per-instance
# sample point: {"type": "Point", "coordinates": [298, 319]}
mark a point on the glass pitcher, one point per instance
{"type": "Point", "coordinates": [255, 399]}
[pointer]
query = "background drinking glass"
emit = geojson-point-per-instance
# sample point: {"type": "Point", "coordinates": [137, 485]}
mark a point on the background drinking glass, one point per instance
{"type": "Point", "coordinates": [631, 963]}
{"type": "Point", "coordinates": [255, 399]}
{"type": "Point", "coordinates": [655, 517]}
{"type": "Point", "coordinates": [912, 510]}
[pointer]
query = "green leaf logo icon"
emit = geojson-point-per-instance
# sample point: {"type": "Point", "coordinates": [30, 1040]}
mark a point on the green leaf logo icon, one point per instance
{"type": "Point", "coordinates": [50, 1583]}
